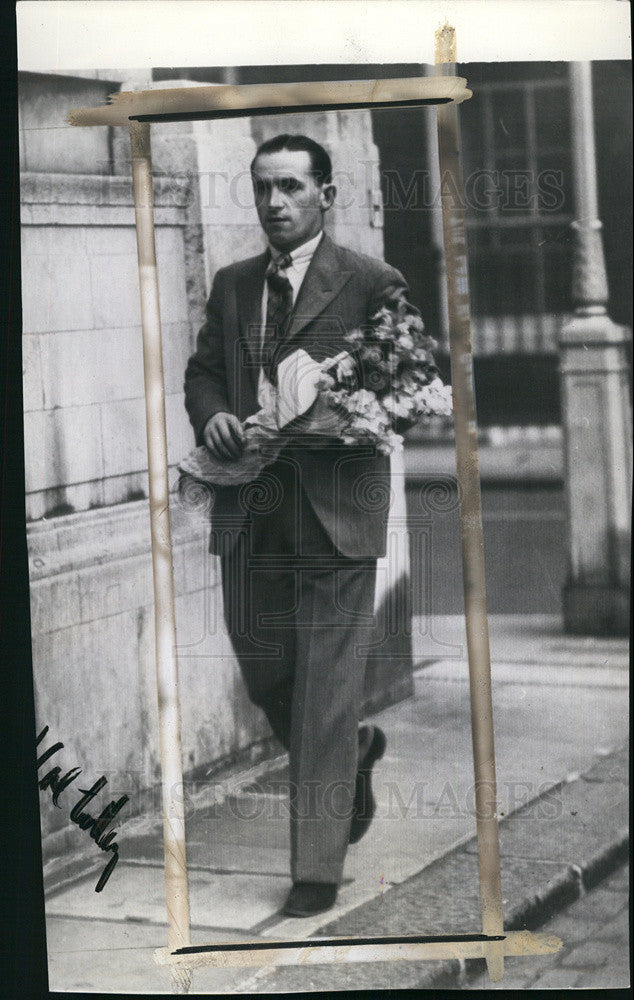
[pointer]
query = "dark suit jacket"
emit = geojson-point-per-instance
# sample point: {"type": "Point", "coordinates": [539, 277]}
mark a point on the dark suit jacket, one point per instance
{"type": "Point", "coordinates": [347, 487]}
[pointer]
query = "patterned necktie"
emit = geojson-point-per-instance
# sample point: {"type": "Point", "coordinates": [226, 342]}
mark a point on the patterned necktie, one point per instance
{"type": "Point", "coordinates": [279, 307]}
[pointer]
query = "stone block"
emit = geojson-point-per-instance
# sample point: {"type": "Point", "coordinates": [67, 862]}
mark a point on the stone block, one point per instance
{"type": "Point", "coordinates": [170, 255]}
{"type": "Point", "coordinates": [65, 150]}
{"type": "Point", "coordinates": [121, 489]}
{"type": "Point", "coordinates": [48, 144]}
{"type": "Point", "coordinates": [591, 954]}
{"type": "Point", "coordinates": [104, 242]}
{"type": "Point", "coordinates": [32, 373]}
{"type": "Point", "coordinates": [207, 685]}
{"type": "Point", "coordinates": [123, 436]}
{"type": "Point", "coordinates": [114, 280]}
{"type": "Point", "coordinates": [35, 505]}
{"type": "Point", "coordinates": [55, 603]}
{"type": "Point", "coordinates": [62, 447]}
{"type": "Point", "coordinates": [66, 544]}
{"type": "Point", "coordinates": [56, 282]}
{"type": "Point", "coordinates": [195, 568]}
{"type": "Point", "coordinates": [40, 149]}
{"type": "Point", "coordinates": [180, 436]}
{"type": "Point", "coordinates": [224, 245]}
{"type": "Point", "coordinates": [556, 979]}
{"type": "Point", "coordinates": [178, 345]}
{"type": "Point", "coordinates": [83, 215]}
{"type": "Point", "coordinates": [213, 697]}
{"type": "Point", "coordinates": [53, 192]}
{"type": "Point", "coordinates": [115, 277]}
{"type": "Point", "coordinates": [87, 691]}
{"type": "Point", "coordinates": [117, 586]}
{"type": "Point", "coordinates": [207, 671]}
{"type": "Point", "coordinates": [236, 901]}
{"type": "Point", "coordinates": [91, 366]}
{"type": "Point", "coordinates": [225, 151]}
{"type": "Point", "coordinates": [200, 630]}
{"type": "Point", "coordinates": [67, 241]}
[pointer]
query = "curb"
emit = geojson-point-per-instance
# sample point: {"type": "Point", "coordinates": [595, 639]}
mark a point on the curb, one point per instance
{"type": "Point", "coordinates": [588, 840]}
{"type": "Point", "coordinates": [534, 911]}
{"type": "Point", "coordinates": [573, 883]}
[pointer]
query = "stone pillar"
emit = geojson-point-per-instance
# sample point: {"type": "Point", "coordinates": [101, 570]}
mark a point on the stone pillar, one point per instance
{"type": "Point", "coordinates": [437, 237]}
{"type": "Point", "coordinates": [596, 408]}
{"type": "Point", "coordinates": [214, 156]}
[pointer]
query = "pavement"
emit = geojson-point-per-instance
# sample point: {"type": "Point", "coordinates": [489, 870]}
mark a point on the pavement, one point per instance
{"type": "Point", "coordinates": [561, 728]}
{"type": "Point", "coordinates": [595, 955]}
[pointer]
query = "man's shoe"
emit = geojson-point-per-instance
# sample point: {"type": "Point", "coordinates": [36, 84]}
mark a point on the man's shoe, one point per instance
{"type": "Point", "coordinates": [364, 805]}
{"type": "Point", "coordinates": [309, 898]}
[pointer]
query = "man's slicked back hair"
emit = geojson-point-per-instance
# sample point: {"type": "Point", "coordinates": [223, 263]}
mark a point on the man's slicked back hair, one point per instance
{"type": "Point", "coordinates": [321, 164]}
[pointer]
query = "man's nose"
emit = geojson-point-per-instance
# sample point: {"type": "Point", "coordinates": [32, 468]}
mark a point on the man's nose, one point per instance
{"type": "Point", "coordinates": [277, 198]}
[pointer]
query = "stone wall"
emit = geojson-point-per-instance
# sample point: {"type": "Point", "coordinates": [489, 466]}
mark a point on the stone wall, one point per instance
{"type": "Point", "coordinates": [83, 370]}
{"type": "Point", "coordinates": [86, 465]}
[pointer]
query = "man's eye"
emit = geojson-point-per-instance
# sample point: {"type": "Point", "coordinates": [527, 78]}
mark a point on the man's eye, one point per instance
{"type": "Point", "coordinates": [289, 184]}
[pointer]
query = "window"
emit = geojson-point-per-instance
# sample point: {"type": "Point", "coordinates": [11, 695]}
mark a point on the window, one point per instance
{"type": "Point", "coordinates": [517, 175]}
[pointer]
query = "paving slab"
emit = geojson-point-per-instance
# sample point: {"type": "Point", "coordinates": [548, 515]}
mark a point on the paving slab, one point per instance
{"type": "Point", "coordinates": [424, 803]}
{"type": "Point", "coordinates": [137, 892]}
{"type": "Point", "coordinates": [118, 957]}
{"type": "Point", "coordinates": [444, 897]}
{"type": "Point", "coordinates": [525, 639]}
{"type": "Point", "coordinates": [591, 958]}
{"type": "Point", "coordinates": [568, 712]}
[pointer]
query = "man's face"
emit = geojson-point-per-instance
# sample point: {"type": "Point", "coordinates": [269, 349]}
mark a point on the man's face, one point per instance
{"type": "Point", "coordinates": [289, 201]}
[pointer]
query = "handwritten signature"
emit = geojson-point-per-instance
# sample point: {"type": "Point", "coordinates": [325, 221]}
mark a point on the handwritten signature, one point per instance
{"type": "Point", "coordinates": [57, 782]}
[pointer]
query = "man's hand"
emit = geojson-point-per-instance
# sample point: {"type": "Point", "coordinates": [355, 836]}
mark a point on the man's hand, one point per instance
{"type": "Point", "coordinates": [223, 436]}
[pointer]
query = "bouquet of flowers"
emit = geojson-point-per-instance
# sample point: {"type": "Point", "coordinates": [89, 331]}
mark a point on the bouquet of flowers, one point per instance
{"type": "Point", "coordinates": [370, 393]}
{"type": "Point", "coordinates": [388, 380]}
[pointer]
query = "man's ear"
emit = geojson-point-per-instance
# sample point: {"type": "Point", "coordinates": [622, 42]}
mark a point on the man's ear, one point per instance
{"type": "Point", "coordinates": [327, 196]}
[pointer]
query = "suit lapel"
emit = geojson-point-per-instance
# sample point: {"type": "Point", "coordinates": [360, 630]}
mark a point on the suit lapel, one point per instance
{"type": "Point", "coordinates": [323, 281]}
{"type": "Point", "coordinates": [249, 287]}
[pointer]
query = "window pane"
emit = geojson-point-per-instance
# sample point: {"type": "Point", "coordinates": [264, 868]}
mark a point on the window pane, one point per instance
{"type": "Point", "coordinates": [552, 116]}
{"type": "Point", "coordinates": [558, 276]}
{"type": "Point", "coordinates": [505, 284]}
{"type": "Point", "coordinates": [554, 184]}
{"type": "Point", "coordinates": [509, 125]}
{"type": "Point", "coordinates": [520, 237]}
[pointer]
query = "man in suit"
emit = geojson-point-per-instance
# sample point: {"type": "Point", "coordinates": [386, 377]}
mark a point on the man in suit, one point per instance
{"type": "Point", "coordinates": [298, 546]}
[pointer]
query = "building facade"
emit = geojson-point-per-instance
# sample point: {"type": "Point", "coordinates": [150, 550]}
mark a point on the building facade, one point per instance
{"type": "Point", "coordinates": [86, 467]}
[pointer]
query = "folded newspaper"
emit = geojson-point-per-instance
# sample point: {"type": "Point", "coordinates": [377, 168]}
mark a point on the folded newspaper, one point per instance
{"type": "Point", "coordinates": [293, 407]}
{"type": "Point", "coordinates": [368, 394]}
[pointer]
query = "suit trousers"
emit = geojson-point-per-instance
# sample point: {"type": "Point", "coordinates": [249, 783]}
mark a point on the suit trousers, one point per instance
{"type": "Point", "coordinates": [300, 616]}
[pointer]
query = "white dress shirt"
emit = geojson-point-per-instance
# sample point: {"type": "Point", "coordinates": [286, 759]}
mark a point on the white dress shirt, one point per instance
{"type": "Point", "coordinates": [300, 260]}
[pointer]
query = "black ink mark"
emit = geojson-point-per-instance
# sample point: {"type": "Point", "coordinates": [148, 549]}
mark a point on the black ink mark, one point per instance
{"type": "Point", "coordinates": [54, 780]}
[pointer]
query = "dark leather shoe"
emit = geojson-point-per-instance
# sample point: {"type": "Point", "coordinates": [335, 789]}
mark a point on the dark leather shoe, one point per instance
{"type": "Point", "coordinates": [308, 898]}
{"type": "Point", "coordinates": [364, 805]}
